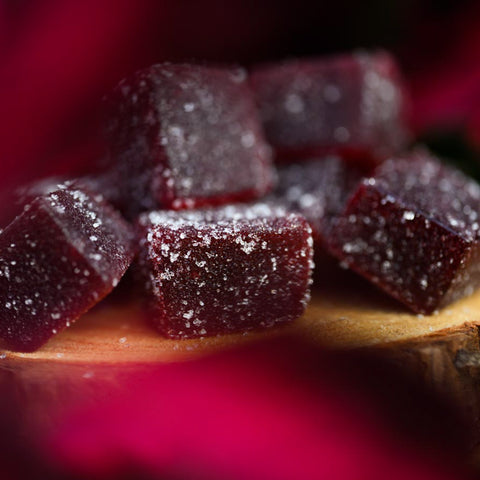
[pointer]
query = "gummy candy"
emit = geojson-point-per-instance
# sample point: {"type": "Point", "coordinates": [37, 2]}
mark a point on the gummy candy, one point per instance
{"type": "Point", "coordinates": [355, 105]}
{"type": "Point", "coordinates": [412, 229]}
{"type": "Point", "coordinates": [226, 270]}
{"type": "Point", "coordinates": [13, 201]}
{"type": "Point", "coordinates": [318, 189]}
{"type": "Point", "coordinates": [188, 136]}
{"type": "Point", "coordinates": [62, 255]}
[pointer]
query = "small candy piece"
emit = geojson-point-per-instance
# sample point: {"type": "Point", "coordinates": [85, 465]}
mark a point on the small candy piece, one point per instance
{"type": "Point", "coordinates": [13, 201]}
{"type": "Point", "coordinates": [61, 256]}
{"type": "Point", "coordinates": [225, 270]}
{"type": "Point", "coordinates": [349, 104]}
{"type": "Point", "coordinates": [412, 229]}
{"type": "Point", "coordinates": [186, 136]}
{"type": "Point", "coordinates": [105, 183]}
{"type": "Point", "coordinates": [318, 189]}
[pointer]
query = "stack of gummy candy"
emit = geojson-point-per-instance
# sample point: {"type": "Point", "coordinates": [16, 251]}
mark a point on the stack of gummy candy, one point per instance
{"type": "Point", "coordinates": [222, 183]}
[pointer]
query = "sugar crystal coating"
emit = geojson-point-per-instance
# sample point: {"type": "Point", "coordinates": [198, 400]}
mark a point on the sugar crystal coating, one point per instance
{"type": "Point", "coordinates": [224, 270]}
{"type": "Point", "coordinates": [106, 183]}
{"type": "Point", "coordinates": [412, 229]}
{"type": "Point", "coordinates": [350, 104]}
{"type": "Point", "coordinates": [186, 136]}
{"type": "Point", "coordinates": [14, 200]}
{"type": "Point", "coordinates": [62, 255]}
{"type": "Point", "coordinates": [318, 189]}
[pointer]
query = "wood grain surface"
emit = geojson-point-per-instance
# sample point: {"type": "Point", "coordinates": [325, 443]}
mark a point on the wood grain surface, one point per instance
{"type": "Point", "coordinates": [441, 350]}
{"type": "Point", "coordinates": [346, 313]}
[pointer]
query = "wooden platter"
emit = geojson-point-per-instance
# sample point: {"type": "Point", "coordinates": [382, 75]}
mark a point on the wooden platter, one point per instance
{"type": "Point", "coordinates": [345, 313]}
{"type": "Point", "coordinates": [350, 315]}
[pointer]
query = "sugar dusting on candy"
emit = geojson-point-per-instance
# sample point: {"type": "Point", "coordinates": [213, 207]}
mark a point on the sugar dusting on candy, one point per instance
{"type": "Point", "coordinates": [317, 189]}
{"type": "Point", "coordinates": [412, 228]}
{"type": "Point", "coordinates": [62, 255]}
{"type": "Point", "coordinates": [16, 199]}
{"type": "Point", "coordinates": [186, 136]}
{"type": "Point", "coordinates": [352, 104]}
{"type": "Point", "coordinates": [225, 270]}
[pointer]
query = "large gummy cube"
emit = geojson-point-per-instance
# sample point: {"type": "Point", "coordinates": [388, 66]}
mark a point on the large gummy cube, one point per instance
{"type": "Point", "coordinates": [412, 229]}
{"type": "Point", "coordinates": [222, 271]}
{"type": "Point", "coordinates": [186, 136]}
{"type": "Point", "coordinates": [61, 256]}
{"type": "Point", "coordinates": [318, 189]}
{"type": "Point", "coordinates": [355, 105]}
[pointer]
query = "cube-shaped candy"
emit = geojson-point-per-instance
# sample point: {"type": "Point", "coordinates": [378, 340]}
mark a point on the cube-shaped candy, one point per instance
{"type": "Point", "coordinates": [355, 105]}
{"type": "Point", "coordinates": [412, 229]}
{"type": "Point", "coordinates": [107, 184]}
{"type": "Point", "coordinates": [186, 136]}
{"type": "Point", "coordinates": [318, 189]}
{"type": "Point", "coordinates": [62, 255]}
{"type": "Point", "coordinates": [13, 201]}
{"type": "Point", "coordinates": [223, 271]}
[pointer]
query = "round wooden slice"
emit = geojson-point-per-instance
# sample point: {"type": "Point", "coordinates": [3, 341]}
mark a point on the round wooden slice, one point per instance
{"type": "Point", "coordinates": [351, 315]}
{"type": "Point", "coordinates": [345, 313]}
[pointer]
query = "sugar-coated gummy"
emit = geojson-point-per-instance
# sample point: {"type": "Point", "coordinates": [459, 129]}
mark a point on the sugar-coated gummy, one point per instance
{"type": "Point", "coordinates": [354, 104]}
{"type": "Point", "coordinates": [225, 270]}
{"type": "Point", "coordinates": [62, 255]}
{"type": "Point", "coordinates": [187, 136]}
{"type": "Point", "coordinates": [412, 229]}
{"type": "Point", "coordinates": [13, 201]}
{"type": "Point", "coordinates": [318, 189]}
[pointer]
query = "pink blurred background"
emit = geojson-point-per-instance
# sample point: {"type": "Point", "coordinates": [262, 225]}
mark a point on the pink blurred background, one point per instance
{"type": "Point", "coordinates": [58, 58]}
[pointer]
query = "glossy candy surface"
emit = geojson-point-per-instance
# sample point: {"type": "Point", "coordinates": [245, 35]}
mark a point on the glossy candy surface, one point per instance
{"type": "Point", "coordinates": [412, 229]}
{"type": "Point", "coordinates": [228, 270]}
{"type": "Point", "coordinates": [355, 105]}
{"type": "Point", "coordinates": [61, 256]}
{"type": "Point", "coordinates": [318, 189]}
{"type": "Point", "coordinates": [186, 136]}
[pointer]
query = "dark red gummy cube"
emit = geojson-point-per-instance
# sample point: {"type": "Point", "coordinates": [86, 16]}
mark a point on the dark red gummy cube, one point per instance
{"type": "Point", "coordinates": [412, 229]}
{"type": "Point", "coordinates": [186, 136]}
{"type": "Point", "coordinates": [13, 201]}
{"type": "Point", "coordinates": [107, 184]}
{"type": "Point", "coordinates": [222, 271]}
{"type": "Point", "coordinates": [318, 189]}
{"type": "Point", "coordinates": [61, 256]}
{"type": "Point", "coordinates": [355, 105]}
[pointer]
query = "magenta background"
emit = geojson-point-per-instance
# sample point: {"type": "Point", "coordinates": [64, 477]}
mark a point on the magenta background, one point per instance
{"type": "Point", "coordinates": [58, 58]}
